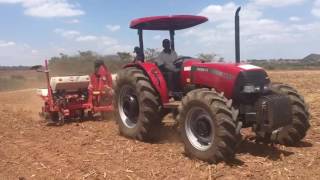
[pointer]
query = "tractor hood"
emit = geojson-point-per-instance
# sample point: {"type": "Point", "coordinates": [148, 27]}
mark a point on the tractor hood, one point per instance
{"type": "Point", "coordinates": [221, 76]}
{"type": "Point", "coordinates": [223, 69]}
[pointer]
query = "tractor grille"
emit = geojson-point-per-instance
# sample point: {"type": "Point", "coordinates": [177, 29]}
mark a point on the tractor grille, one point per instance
{"type": "Point", "coordinates": [258, 78]}
{"type": "Point", "coordinates": [254, 77]}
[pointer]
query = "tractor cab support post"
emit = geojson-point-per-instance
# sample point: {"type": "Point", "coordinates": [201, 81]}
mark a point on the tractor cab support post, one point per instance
{"type": "Point", "coordinates": [140, 33]}
{"type": "Point", "coordinates": [237, 35]}
{"type": "Point", "coordinates": [172, 33]}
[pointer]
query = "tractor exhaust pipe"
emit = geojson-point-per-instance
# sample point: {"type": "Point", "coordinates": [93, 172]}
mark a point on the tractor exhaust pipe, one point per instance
{"type": "Point", "coordinates": [237, 34]}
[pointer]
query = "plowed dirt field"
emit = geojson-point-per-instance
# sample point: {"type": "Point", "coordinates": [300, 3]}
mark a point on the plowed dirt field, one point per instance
{"type": "Point", "coordinates": [94, 150]}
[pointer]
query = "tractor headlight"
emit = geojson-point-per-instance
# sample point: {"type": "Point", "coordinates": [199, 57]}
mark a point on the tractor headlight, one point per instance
{"type": "Point", "coordinates": [251, 89]}
{"type": "Point", "coordinates": [266, 87]}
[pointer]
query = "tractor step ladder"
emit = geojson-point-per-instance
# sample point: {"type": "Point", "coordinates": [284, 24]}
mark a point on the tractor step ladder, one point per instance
{"type": "Point", "coordinates": [172, 105]}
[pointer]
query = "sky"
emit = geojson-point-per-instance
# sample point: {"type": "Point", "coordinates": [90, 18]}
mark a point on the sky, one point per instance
{"type": "Point", "coordinates": [34, 30]}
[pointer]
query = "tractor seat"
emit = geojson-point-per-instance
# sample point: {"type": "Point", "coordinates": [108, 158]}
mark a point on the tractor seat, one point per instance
{"type": "Point", "coordinates": [69, 83]}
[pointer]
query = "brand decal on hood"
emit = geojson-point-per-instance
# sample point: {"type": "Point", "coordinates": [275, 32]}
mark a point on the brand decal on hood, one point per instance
{"type": "Point", "coordinates": [213, 71]}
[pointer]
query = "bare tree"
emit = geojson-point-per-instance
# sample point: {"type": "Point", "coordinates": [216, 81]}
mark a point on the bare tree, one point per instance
{"type": "Point", "coordinates": [221, 59]}
{"type": "Point", "coordinates": [151, 53]}
{"type": "Point", "coordinates": [207, 56]}
{"type": "Point", "coordinates": [125, 56]}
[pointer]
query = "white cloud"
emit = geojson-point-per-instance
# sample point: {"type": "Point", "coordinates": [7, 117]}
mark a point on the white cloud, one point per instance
{"type": "Point", "coordinates": [86, 38]}
{"type": "Point", "coordinates": [295, 19]}
{"type": "Point", "coordinates": [73, 21]}
{"type": "Point", "coordinates": [108, 41]}
{"type": "Point", "coordinates": [76, 36]}
{"type": "Point", "coordinates": [67, 33]}
{"type": "Point", "coordinates": [278, 3]}
{"type": "Point", "coordinates": [48, 8]}
{"type": "Point", "coordinates": [316, 8]}
{"type": "Point", "coordinates": [61, 49]}
{"type": "Point", "coordinates": [11, 55]}
{"type": "Point", "coordinates": [10, 1]}
{"type": "Point", "coordinates": [34, 51]}
{"type": "Point", "coordinates": [157, 37]}
{"type": "Point", "coordinates": [113, 28]}
{"type": "Point", "coordinates": [70, 34]}
{"type": "Point", "coordinates": [6, 43]}
{"type": "Point", "coordinates": [260, 37]}
{"type": "Point", "coordinates": [79, 41]}
{"type": "Point", "coordinates": [222, 13]}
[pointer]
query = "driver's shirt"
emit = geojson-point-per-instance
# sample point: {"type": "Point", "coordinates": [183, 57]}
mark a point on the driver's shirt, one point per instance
{"type": "Point", "coordinates": [167, 60]}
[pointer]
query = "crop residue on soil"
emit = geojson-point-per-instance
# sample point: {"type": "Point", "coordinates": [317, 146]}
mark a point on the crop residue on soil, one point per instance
{"type": "Point", "coordinates": [94, 149]}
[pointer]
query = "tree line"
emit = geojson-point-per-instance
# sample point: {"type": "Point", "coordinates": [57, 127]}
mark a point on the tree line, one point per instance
{"type": "Point", "coordinates": [83, 61]}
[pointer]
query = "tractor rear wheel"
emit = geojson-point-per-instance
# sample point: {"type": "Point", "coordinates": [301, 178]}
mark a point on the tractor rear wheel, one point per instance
{"type": "Point", "coordinates": [137, 105]}
{"type": "Point", "coordinates": [293, 133]}
{"type": "Point", "coordinates": [207, 126]}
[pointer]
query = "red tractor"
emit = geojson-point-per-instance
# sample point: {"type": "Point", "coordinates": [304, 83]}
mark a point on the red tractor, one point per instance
{"type": "Point", "coordinates": [213, 101]}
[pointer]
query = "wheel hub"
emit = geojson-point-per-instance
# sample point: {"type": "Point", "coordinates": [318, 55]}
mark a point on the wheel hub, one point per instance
{"type": "Point", "coordinates": [128, 106]}
{"type": "Point", "coordinates": [202, 130]}
{"type": "Point", "coordinates": [199, 128]}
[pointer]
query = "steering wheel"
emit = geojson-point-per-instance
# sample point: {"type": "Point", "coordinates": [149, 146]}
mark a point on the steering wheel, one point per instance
{"type": "Point", "coordinates": [178, 62]}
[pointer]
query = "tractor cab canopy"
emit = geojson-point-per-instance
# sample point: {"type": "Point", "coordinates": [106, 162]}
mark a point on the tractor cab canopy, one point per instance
{"type": "Point", "coordinates": [165, 23]}
{"type": "Point", "coordinates": [176, 22]}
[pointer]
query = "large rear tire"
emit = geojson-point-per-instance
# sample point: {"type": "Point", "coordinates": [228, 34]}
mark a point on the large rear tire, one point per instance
{"type": "Point", "coordinates": [207, 126]}
{"type": "Point", "coordinates": [293, 133]}
{"type": "Point", "coordinates": [137, 105]}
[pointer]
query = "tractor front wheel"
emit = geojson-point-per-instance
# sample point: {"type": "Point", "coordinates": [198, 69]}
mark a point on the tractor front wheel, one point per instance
{"type": "Point", "coordinates": [137, 105]}
{"type": "Point", "coordinates": [207, 126]}
{"type": "Point", "coordinates": [293, 133]}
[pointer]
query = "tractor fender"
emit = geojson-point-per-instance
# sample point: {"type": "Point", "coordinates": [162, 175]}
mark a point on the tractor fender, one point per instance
{"type": "Point", "coordinates": [156, 77]}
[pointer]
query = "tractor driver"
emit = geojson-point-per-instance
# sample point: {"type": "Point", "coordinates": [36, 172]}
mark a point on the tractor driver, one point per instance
{"type": "Point", "coordinates": [167, 57]}
{"type": "Point", "coordinates": [165, 64]}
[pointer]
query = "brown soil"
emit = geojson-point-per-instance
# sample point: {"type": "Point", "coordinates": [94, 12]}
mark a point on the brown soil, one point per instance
{"type": "Point", "coordinates": [94, 150]}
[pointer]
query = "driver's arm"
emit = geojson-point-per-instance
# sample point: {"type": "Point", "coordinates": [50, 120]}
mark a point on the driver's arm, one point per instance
{"type": "Point", "coordinates": [175, 55]}
{"type": "Point", "coordinates": [160, 62]}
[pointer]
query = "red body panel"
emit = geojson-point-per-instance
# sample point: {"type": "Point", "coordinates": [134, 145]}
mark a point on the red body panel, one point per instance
{"type": "Point", "coordinates": [220, 76]}
{"type": "Point", "coordinates": [156, 77]}
{"type": "Point", "coordinates": [185, 74]}
{"type": "Point", "coordinates": [175, 22]}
